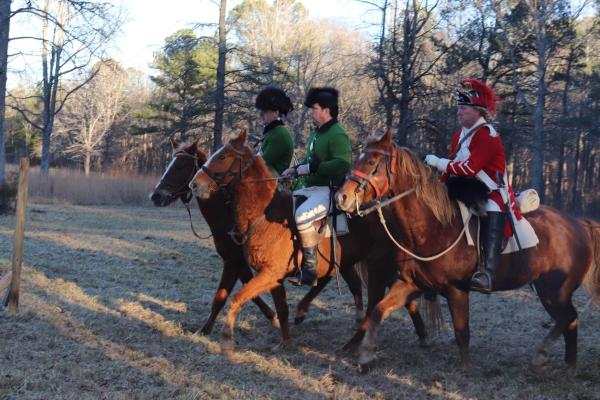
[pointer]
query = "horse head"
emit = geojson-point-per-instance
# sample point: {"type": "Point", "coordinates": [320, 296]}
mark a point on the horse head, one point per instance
{"type": "Point", "coordinates": [372, 174]}
{"type": "Point", "coordinates": [173, 183]}
{"type": "Point", "coordinates": [224, 167]}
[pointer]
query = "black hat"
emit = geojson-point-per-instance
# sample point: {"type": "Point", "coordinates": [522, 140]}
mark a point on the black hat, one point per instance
{"type": "Point", "coordinates": [274, 99]}
{"type": "Point", "coordinates": [326, 97]}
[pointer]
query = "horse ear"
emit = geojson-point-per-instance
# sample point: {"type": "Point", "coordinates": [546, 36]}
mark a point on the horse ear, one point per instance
{"type": "Point", "coordinates": [173, 143]}
{"type": "Point", "coordinates": [387, 137]}
{"type": "Point", "coordinates": [383, 137]}
{"type": "Point", "coordinates": [238, 140]}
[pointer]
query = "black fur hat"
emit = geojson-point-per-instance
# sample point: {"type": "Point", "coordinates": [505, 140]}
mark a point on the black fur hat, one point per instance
{"type": "Point", "coordinates": [326, 97]}
{"type": "Point", "coordinates": [274, 99]}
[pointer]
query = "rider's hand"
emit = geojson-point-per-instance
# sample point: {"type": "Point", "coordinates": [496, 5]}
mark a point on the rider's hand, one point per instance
{"type": "Point", "coordinates": [289, 173]}
{"type": "Point", "coordinates": [436, 162]}
{"type": "Point", "coordinates": [303, 169]}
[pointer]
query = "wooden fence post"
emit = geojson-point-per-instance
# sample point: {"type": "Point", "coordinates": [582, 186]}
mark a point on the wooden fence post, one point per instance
{"type": "Point", "coordinates": [13, 294]}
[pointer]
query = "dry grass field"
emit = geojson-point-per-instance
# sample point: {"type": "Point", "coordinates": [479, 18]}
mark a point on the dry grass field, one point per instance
{"type": "Point", "coordinates": [111, 295]}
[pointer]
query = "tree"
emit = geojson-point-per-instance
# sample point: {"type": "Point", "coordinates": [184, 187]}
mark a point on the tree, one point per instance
{"type": "Point", "coordinates": [186, 82]}
{"type": "Point", "coordinates": [91, 113]}
{"type": "Point", "coordinates": [73, 35]}
{"type": "Point", "coordinates": [4, 34]}
{"type": "Point", "coordinates": [220, 92]}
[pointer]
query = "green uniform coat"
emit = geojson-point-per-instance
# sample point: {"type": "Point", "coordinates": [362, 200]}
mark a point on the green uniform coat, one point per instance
{"type": "Point", "coordinates": [277, 146]}
{"type": "Point", "coordinates": [329, 154]}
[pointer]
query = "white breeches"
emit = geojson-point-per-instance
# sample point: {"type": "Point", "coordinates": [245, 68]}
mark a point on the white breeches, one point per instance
{"type": "Point", "coordinates": [314, 208]}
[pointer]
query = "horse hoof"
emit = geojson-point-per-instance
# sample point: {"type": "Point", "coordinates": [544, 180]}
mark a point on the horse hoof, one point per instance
{"type": "Point", "coordinates": [227, 344]}
{"type": "Point", "coordinates": [275, 322]}
{"type": "Point", "coordinates": [299, 320]}
{"type": "Point", "coordinates": [424, 342]}
{"type": "Point", "coordinates": [365, 368]}
{"type": "Point", "coordinates": [282, 346]}
{"type": "Point", "coordinates": [359, 315]}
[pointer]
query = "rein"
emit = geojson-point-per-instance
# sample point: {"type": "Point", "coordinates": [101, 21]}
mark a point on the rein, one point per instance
{"type": "Point", "coordinates": [430, 258]}
{"type": "Point", "coordinates": [363, 179]}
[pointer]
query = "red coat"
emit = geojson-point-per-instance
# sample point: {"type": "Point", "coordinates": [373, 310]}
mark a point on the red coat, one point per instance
{"type": "Point", "coordinates": [484, 152]}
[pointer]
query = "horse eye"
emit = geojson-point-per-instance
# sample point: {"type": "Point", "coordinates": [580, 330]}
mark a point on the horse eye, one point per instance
{"type": "Point", "coordinates": [222, 157]}
{"type": "Point", "coordinates": [371, 162]}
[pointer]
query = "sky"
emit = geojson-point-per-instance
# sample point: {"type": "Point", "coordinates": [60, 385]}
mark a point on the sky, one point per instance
{"type": "Point", "coordinates": [149, 22]}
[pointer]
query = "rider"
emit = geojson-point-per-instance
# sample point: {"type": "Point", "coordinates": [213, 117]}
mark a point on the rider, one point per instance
{"type": "Point", "coordinates": [477, 151]}
{"type": "Point", "coordinates": [328, 157]}
{"type": "Point", "coordinates": [277, 147]}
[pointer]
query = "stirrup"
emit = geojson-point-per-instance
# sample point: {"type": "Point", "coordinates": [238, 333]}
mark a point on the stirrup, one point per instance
{"type": "Point", "coordinates": [476, 284]}
{"type": "Point", "coordinates": [303, 278]}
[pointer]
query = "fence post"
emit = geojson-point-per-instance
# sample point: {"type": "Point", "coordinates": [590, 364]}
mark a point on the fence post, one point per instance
{"type": "Point", "coordinates": [13, 294]}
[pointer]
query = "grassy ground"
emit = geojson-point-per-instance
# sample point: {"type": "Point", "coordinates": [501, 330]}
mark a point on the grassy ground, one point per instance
{"type": "Point", "coordinates": [110, 296]}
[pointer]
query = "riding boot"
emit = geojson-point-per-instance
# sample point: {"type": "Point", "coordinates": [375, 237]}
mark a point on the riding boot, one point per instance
{"type": "Point", "coordinates": [307, 275]}
{"type": "Point", "coordinates": [492, 246]}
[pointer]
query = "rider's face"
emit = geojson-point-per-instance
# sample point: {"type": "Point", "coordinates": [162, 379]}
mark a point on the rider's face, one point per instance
{"type": "Point", "coordinates": [268, 116]}
{"type": "Point", "coordinates": [467, 115]}
{"type": "Point", "coordinates": [319, 114]}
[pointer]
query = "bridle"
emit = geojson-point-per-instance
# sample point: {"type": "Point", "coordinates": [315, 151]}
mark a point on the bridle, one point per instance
{"type": "Point", "coordinates": [381, 184]}
{"type": "Point", "coordinates": [183, 191]}
{"type": "Point", "coordinates": [220, 179]}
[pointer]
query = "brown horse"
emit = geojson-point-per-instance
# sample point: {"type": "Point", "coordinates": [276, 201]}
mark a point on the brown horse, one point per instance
{"type": "Point", "coordinates": [173, 185]}
{"type": "Point", "coordinates": [264, 219]}
{"type": "Point", "coordinates": [428, 223]}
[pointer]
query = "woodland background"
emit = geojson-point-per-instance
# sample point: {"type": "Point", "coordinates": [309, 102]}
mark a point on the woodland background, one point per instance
{"type": "Point", "coordinates": [89, 122]}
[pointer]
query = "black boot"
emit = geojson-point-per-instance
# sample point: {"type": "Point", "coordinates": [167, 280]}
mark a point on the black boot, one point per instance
{"type": "Point", "coordinates": [492, 246]}
{"type": "Point", "coordinates": [308, 268]}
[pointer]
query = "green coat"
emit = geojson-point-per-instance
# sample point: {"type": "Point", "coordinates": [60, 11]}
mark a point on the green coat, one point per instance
{"type": "Point", "coordinates": [329, 154]}
{"type": "Point", "coordinates": [277, 147]}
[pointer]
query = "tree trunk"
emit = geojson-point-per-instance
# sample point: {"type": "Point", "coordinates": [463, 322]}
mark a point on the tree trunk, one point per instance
{"type": "Point", "coordinates": [220, 95]}
{"type": "Point", "coordinates": [540, 14]}
{"type": "Point", "coordinates": [4, 30]}
{"type": "Point", "coordinates": [87, 162]}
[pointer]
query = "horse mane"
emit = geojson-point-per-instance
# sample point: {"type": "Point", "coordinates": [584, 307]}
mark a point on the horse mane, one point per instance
{"type": "Point", "coordinates": [428, 188]}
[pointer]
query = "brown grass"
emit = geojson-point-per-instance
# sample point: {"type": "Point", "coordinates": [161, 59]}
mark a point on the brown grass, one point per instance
{"type": "Point", "coordinates": [70, 186]}
{"type": "Point", "coordinates": [110, 296]}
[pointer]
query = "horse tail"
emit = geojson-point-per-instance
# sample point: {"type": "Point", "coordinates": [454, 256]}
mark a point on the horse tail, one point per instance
{"type": "Point", "coordinates": [429, 308]}
{"type": "Point", "coordinates": [591, 281]}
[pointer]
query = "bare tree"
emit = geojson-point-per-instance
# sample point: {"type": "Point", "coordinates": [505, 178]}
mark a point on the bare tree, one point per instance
{"type": "Point", "coordinates": [220, 94]}
{"type": "Point", "coordinates": [92, 112]}
{"type": "Point", "coordinates": [4, 31]}
{"type": "Point", "coordinates": [73, 35]}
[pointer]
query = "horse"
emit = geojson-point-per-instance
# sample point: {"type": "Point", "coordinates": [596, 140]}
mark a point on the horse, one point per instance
{"type": "Point", "coordinates": [429, 223]}
{"type": "Point", "coordinates": [173, 185]}
{"type": "Point", "coordinates": [265, 220]}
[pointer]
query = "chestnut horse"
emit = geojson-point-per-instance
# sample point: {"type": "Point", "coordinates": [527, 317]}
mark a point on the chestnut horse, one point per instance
{"type": "Point", "coordinates": [173, 185]}
{"type": "Point", "coordinates": [264, 219]}
{"type": "Point", "coordinates": [429, 223]}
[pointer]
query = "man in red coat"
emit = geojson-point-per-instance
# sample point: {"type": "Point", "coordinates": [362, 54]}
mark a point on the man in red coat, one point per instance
{"type": "Point", "coordinates": [477, 154]}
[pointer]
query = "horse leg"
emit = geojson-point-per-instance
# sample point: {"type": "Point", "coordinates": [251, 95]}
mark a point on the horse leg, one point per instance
{"type": "Point", "coordinates": [375, 292]}
{"type": "Point", "coordinates": [458, 303]}
{"type": "Point", "coordinates": [565, 315]}
{"type": "Point", "coordinates": [245, 274]}
{"type": "Point", "coordinates": [303, 305]}
{"type": "Point", "coordinates": [350, 275]}
{"type": "Point", "coordinates": [397, 297]}
{"type": "Point", "coordinates": [415, 316]}
{"type": "Point", "coordinates": [228, 279]}
{"type": "Point", "coordinates": [281, 306]}
{"type": "Point", "coordinates": [261, 283]}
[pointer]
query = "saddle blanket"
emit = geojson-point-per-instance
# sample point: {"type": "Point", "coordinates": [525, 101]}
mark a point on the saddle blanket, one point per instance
{"type": "Point", "coordinates": [525, 231]}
